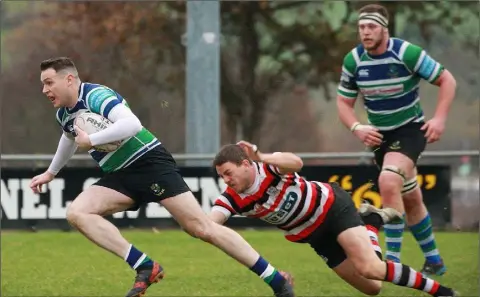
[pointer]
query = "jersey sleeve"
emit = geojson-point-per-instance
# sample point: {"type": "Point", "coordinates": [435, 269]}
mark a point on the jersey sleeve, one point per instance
{"type": "Point", "coordinates": [223, 205]}
{"type": "Point", "coordinates": [102, 100]}
{"type": "Point", "coordinates": [273, 168]}
{"type": "Point", "coordinates": [347, 87]}
{"type": "Point", "coordinates": [420, 63]}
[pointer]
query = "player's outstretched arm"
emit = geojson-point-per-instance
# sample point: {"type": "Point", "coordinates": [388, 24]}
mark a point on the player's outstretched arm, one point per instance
{"type": "Point", "coordinates": [218, 217]}
{"type": "Point", "coordinates": [65, 150]}
{"type": "Point", "coordinates": [222, 210]}
{"type": "Point", "coordinates": [285, 162]}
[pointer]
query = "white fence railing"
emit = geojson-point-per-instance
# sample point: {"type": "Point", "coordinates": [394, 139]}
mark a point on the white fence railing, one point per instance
{"type": "Point", "coordinates": [329, 155]}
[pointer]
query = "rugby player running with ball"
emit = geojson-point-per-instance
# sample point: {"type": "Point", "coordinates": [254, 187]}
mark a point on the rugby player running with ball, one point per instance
{"type": "Point", "coordinates": [138, 172]}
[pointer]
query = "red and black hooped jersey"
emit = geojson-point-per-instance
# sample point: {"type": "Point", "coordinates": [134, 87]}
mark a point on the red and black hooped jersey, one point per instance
{"type": "Point", "coordinates": [289, 201]}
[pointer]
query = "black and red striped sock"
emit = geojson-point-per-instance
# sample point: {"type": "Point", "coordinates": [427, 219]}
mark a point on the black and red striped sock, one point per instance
{"type": "Point", "coordinates": [403, 275]}
{"type": "Point", "coordinates": [373, 234]}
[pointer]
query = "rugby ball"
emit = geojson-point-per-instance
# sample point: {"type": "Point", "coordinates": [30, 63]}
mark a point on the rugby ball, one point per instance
{"type": "Point", "coordinates": [91, 123]}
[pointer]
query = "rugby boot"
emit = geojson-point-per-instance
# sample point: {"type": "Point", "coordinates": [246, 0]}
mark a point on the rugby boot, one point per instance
{"type": "Point", "coordinates": [387, 214]}
{"type": "Point", "coordinates": [433, 268]}
{"type": "Point", "coordinates": [286, 289]}
{"type": "Point", "coordinates": [453, 294]}
{"type": "Point", "coordinates": [288, 277]}
{"type": "Point", "coordinates": [145, 278]}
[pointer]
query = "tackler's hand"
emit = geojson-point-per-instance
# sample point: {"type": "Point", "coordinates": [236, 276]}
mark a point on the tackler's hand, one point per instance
{"type": "Point", "coordinates": [250, 149]}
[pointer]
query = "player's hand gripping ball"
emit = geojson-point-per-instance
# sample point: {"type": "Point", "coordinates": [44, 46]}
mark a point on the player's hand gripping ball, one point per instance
{"type": "Point", "coordinates": [91, 123]}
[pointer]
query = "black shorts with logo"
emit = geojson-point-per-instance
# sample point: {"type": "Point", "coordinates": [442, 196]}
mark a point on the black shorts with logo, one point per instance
{"type": "Point", "coordinates": [408, 140]}
{"type": "Point", "coordinates": [152, 178]}
{"type": "Point", "coordinates": [341, 216]}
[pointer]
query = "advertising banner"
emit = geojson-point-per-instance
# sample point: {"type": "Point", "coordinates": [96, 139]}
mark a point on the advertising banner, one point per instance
{"type": "Point", "coordinates": [22, 209]}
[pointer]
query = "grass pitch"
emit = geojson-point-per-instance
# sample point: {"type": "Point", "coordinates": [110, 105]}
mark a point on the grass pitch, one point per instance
{"type": "Point", "coordinates": [50, 263]}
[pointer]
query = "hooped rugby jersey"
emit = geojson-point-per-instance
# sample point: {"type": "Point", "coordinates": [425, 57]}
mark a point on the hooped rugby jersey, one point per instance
{"type": "Point", "coordinates": [101, 100]}
{"type": "Point", "coordinates": [389, 82]}
{"type": "Point", "coordinates": [289, 201]}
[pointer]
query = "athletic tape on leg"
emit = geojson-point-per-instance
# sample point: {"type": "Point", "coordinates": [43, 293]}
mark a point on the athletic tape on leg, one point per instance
{"type": "Point", "coordinates": [409, 186]}
{"type": "Point", "coordinates": [395, 169]}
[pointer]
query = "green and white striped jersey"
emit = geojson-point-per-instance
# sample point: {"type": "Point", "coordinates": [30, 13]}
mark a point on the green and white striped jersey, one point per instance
{"type": "Point", "coordinates": [389, 82]}
{"type": "Point", "coordinates": [100, 99]}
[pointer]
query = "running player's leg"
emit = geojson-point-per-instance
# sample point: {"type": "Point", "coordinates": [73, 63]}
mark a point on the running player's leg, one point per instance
{"type": "Point", "coordinates": [86, 213]}
{"type": "Point", "coordinates": [412, 142]}
{"type": "Point", "coordinates": [420, 224]}
{"type": "Point", "coordinates": [394, 229]}
{"type": "Point", "coordinates": [108, 196]}
{"type": "Point", "coordinates": [188, 213]}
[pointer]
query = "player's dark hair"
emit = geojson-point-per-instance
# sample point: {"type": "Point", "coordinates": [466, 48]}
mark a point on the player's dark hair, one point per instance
{"type": "Point", "coordinates": [57, 64]}
{"type": "Point", "coordinates": [375, 8]}
{"type": "Point", "coordinates": [230, 153]}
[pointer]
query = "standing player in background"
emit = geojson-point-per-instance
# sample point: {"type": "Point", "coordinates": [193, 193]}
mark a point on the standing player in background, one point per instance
{"type": "Point", "coordinates": [140, 171]}
{"type": "Point", "coordinates": [387, 72]}
{"type": "Point", "coordinates": [323, 215]}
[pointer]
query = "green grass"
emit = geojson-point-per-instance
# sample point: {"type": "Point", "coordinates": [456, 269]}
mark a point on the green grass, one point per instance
{"type": "Point", "coordinates": [66, 264]}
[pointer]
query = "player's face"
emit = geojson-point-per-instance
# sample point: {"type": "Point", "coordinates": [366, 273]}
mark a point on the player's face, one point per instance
{"type": "Point", "coordinates": [371, 35]}
{"type": "Point", "coordinates": [56, 87]}
{"type": "Point", "coordinates": [235, 176]}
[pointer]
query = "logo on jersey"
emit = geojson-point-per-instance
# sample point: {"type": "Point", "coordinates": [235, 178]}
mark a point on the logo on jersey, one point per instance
{"type": "Point", "coordinates": [363, 73]}
{"type": "Point", "coordinates": [392, 71]}
{"type": "Point", "coordinates": [383, 91]}
{"type": "Point", "coordinates": [324, 258]}
{"type": "Point", "coordinates": [157, 190]}
{"type": "Point", "coordinates": [285, 208]}
{"type": "Point", "coordinates": [272, 191]}
{"type": "Point", "coordinates": [395, 145]}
